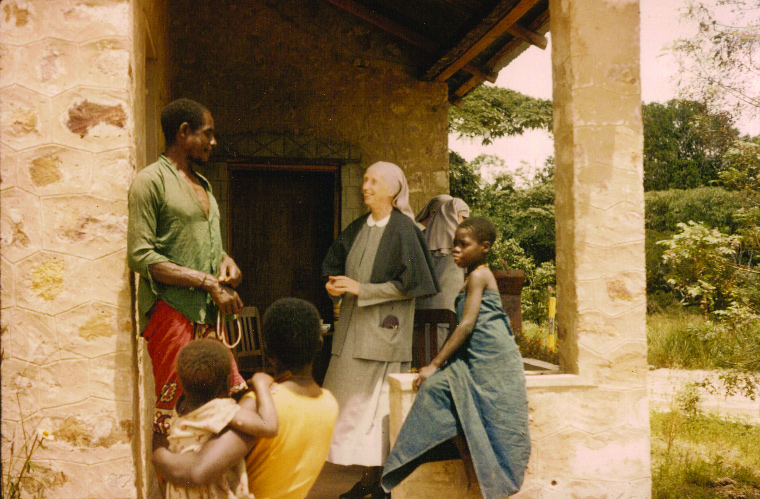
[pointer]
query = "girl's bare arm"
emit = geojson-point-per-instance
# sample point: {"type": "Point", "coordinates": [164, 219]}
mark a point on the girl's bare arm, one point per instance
{"type": "Point", "coordinates": [476, 283]}
{"type": "Point", "coordinates": [193, 469]}
{"type": "Point", "coordinates": [258, 418]}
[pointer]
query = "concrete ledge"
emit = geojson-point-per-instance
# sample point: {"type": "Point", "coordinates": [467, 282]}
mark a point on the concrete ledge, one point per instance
{"type": "Point", "coordinates": [403, 381]}
{"type": "Point", "coordinates": [437, 480]}
{"type": "Point", "coordinates": [556, 381]}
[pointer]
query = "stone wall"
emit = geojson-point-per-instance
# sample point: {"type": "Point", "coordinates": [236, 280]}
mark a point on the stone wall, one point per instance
{"type": "Point", "coordinates": [67, 153]}
{"type": "Point", "coordinates": [306, 68]}
{"type": "Point", "coordinates": [151, 93]}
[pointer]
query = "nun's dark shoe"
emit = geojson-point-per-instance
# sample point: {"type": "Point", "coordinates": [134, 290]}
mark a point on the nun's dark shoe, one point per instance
{"type": "Point", "coordinates": [358, 491]}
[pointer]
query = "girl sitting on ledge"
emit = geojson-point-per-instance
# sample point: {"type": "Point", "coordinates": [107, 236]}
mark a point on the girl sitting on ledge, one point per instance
{"type": "Point", "coordinates": [473, 391]}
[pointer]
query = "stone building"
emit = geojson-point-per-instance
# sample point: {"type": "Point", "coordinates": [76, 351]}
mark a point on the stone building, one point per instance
{"type": "Point", "coordinates": [305, 94]}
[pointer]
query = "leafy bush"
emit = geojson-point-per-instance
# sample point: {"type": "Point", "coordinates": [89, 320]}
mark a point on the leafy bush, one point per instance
{"type": "Point", "coordinates": [700, 265]}
{"type": "Point", "coordinates": [712, 206]}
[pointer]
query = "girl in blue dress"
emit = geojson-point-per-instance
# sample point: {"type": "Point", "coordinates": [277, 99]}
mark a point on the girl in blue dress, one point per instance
{"type": "Point", "coordinates": [473, 391]}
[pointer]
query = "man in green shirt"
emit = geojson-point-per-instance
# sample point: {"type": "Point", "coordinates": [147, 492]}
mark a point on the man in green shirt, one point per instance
{"type": "Point", "coordinates": [174, 243]}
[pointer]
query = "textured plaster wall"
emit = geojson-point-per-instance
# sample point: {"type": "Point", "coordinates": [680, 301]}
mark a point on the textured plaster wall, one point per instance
{"type": "Point", "coordinates": [66, 155]}
{"type": "Point", "coordinates": [304, 67]}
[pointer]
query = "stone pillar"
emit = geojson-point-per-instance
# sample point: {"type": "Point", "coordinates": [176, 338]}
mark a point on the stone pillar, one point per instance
{"type": "Point", "coordinates": [595, 441]}
{"type": "Point", "coordinates": [66, 157]}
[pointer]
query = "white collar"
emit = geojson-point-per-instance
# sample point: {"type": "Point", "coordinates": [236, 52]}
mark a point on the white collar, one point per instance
{"type": "Point", "coordinates": [380, 223]}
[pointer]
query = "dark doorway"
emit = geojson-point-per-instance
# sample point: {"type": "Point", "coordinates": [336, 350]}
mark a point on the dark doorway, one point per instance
{"type": "Point", "coordinates": [283, 219]}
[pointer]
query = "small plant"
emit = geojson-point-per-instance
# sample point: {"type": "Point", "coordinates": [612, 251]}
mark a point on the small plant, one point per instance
{"type": "Point", "coordinates": [22, 447]}
{"type": "Point", "coordinates": [688, 400]}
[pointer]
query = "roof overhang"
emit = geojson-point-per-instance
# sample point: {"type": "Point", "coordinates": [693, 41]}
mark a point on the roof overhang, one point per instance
{"type": "Point", "coordinates": [463, 42]}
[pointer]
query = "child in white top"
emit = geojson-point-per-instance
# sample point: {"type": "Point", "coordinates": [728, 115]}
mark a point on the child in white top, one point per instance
{"type": "Point", "coordinates": [203, 368]}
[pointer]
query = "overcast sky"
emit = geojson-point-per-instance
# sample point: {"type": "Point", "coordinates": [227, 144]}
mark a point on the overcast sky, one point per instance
{"type": "Point", "coordinates": [531, 74]}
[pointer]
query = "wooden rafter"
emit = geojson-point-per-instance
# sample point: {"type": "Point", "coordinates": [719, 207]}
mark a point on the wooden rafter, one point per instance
{"type": "Point", "coordinates": [529, 36]}
{"type": "Point", "coordinates": [503, 17]}
{"type": "Point", "coordinates": [499, 56]}
{"type": "Point", "coordinates": [404, 33]}
{"type": "Point", "coordinates": [385, 23]}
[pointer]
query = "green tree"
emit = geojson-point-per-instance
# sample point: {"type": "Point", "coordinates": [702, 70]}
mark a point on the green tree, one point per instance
{"type": "Point", "coordinates": [742, 176]}
{"type": "Point", "coordinates": [490, 112]}
{"type": "Point", "coordinates": [464, 181]}
{"type": "Point", "coordinates": [683, 144]}
{"type": "Point", "coordinates": [719, 64]}
{"type": "Point", "coordinates": [742, 165]}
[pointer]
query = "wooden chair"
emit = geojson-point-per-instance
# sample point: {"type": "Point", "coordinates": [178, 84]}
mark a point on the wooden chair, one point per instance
{"type": "Point", "coordinates": [426, 325]}
{"type": "Point", "coordinates": [249, 353]}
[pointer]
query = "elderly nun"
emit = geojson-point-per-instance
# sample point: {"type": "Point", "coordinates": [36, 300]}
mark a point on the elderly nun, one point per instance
{"type": "Point", "coordinates": [378, 266]}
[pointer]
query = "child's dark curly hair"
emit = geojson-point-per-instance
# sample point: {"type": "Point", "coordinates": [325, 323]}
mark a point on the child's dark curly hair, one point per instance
{"type": "Point", "coordinates": [482, 229]}
{"type": "Point", "coordinates": [203, 368]}
{"type": "Point", "coordinates": [292, 332]}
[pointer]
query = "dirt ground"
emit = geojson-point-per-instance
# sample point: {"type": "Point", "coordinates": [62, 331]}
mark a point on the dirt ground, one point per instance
{"type": "Point", "coordinates": [334, 480]}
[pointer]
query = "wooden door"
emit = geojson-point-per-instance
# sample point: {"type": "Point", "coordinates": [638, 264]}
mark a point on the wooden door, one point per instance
{"type": "Point", "coordinates": [282, 222]}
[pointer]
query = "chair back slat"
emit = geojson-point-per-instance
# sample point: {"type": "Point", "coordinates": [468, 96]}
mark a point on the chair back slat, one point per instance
{"type": "Point", "coordinates": [426, 341]}
{"type": "Point", "coordinates": [249, 354]}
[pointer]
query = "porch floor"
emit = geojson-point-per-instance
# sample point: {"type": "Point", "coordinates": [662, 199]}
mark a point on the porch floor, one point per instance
{"type": "Point", "coordinates": [334, 480]}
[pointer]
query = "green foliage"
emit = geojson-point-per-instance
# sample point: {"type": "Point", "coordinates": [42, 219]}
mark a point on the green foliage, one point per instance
{"type": "Point", "coordinates": [742, 166]}
{"type": "Point", "coordinates": [733, 382]}
{"type": "Point", "coordinates": [703, 457]}
{"type": "Point", "coordinates": [742, 176]}
{"type": "Point", "coordinates": [464, 182]}
{"type": "Point", "coordinates": [719, 63]}
{"type": "Point", "coordinates": [506, 253]}
{"type": "Point", "coordinates": [533, 220]}
{"type": "Point", "coordinates": [683, 144]}
{"type": "Point", "coordinates": [490, 112]}
{"type": "Point", "coordinates": [688, 400]}
{"type": "Point", "coordinates": [712, 206]}
{"type": "Point", "coordinates": [700, 265]}
{"type": "Point", "coordinates": [542, 280]}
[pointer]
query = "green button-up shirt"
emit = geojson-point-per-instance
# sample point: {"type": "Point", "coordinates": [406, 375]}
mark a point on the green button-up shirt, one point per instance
{"type": "Point", "coordinates": [167, 223]}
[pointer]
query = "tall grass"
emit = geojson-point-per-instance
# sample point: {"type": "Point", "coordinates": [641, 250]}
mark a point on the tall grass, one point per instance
{"type": "Point", "coordinates": [704, 457]}
{"type": "Point", "coordinates": [682, 339]}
